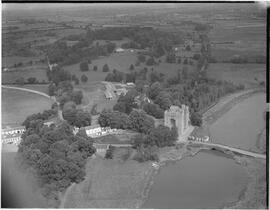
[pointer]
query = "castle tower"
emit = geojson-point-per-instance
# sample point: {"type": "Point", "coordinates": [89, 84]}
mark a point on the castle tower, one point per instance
{"type": "Point", "coordinates": [178, 117]}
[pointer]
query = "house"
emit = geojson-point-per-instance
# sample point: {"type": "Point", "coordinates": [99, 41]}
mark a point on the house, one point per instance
{"type": "Point", "coordinates": [108, 95]}
{"type": "Point", "coordinates": [130, 84]}
{"type": "Point", "coordinates": [101, 148]}
{"type": "Point", "coordinates": [96, 130]}
{"type": "Point", "coordinates": [12, 135]}
{"type": "Point", "coordinates": [93, 130]}
{"type": "Point", "coordinates": [119, 50]}
{"type": "Point", "coordinates": [140, 99]}
{"type": "Point", "coordinates": [121, 91]}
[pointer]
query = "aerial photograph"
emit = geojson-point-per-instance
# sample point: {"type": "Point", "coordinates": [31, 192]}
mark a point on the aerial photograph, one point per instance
{"type": "Point", "coordinates": [134, 105]}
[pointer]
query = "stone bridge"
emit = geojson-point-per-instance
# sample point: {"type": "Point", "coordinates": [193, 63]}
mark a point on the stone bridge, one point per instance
{"type": "Point", "coordinates": [233, 149]}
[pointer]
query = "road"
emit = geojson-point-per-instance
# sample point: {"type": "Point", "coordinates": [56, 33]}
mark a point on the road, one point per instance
{"type": "Point", "coordinates": [39, 93]}
{"type": "Point", "coordinates": [233, 149]}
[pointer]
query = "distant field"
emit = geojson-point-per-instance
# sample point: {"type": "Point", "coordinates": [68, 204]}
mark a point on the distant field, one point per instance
{"type": "Point", "coordinates": [38, 72]}
{"type": "Point", "coordinates": [17, 105]}
{"type": "Point", "coordinates": [11, 60]}
{"type": "Point", "coordinates": [249, 38]}
{"type": "Point", "coordinates": [238, 73]}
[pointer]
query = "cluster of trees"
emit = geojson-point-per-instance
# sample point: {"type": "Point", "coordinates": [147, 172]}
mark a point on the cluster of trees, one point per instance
{"type": "Point", "coordinates": [147, 145]}
{"type": "Point", "coordinates": [153, 110]}
{"type": "Point", "coordinates": [30, 80]}
{"type": "Point", "coordinates": [137, 120]}
{"type": "Point", "coordinates": [141, 38]}
{"type": "Point", "coordinates": [55, 155]}
{"type": "Point", "coordinates": [39, 117]}
{"type": "Point", "coordinates": [115, 76]}
{"type": "Point", "coordinates": [109, 152]}
{"type": "Point", "coordinates": [64, 92]}
{"type": "Point", "coordinates": [76, 117]}
{"type": "Point", "coordinates": [126, 103]}
{"type": "Point", "coordinates": [62, 54]}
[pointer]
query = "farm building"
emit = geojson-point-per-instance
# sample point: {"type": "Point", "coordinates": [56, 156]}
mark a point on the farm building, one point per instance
{"type": "Point", "coordinates": [108, 95]}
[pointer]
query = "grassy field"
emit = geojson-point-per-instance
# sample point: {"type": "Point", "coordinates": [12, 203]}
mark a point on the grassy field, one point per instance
{"type": "Point", "coordinates": [17, 105]}
{"type": "Point", "coordinates": [42, 88]}
{"type": "Point", "coordinates": [39, 72]}
{"type": "Point", "coordinates": [238, 73]}
{"type": "Point", "coordinates": [110, 184]}
{"type": "Point", "coordinates": [248, 38]}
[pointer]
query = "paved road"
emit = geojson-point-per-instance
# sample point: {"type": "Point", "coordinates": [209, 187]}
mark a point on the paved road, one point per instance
{"type": "Point", "coordinates": [29, 90]}
{"type": "Point", "coordinates": [233, 149]}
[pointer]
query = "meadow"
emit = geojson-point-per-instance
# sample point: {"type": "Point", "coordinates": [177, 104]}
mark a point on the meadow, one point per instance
{"type": "Point", "coordinates": [247, 37]}
{"type": "Point", "coordinates": [37, 71]}
{"type": "Point", "coordinates": [17, 105]}
{"type": "Point", "coordinates": [248, 74]}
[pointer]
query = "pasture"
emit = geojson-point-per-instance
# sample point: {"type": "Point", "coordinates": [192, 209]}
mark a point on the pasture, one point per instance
{"type": "Point", "coordinates": [248, 74]}
{"type": "Point", "coordinates": [17, 105]}
{"type": "Point", "coordinates": [37, 71]}
{"type": "Point", "coordinates": [247, 37]}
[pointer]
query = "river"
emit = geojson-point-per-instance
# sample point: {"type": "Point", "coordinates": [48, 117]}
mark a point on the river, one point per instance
{"type": "Point", "coordinates": [210, 179]}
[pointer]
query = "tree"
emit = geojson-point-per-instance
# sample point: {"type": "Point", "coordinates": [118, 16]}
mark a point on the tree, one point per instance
{"type": "Point", "coordinates": [84, 66]}
{"type": "Point", "coordinates": [131, 67]}
{"type": "Point", "coordinates": [105, 68]}
{"type": "Point", "coordinates": [84, 78]}
{"type": "Point", "coordinates": [186, 61]}
{"type": "Point", "coordinates": [154, 90]}
{"type": "Point", "coordinates": [83, 118]}
{"type": "Point", "coordinates": [161, 136]}
{"type": "Point", "coordinates": [20, 81]}
{"type": "Point", "coordinates": [164, 100]}
{"type": "Point", "coordinates": [188, 48]}
{"type": "Point", "coordinates": [141, 58]}
{"type": "Point", "coordinates": [109, 152]}
{"type": "Point", "coordinates": [154, 110]}
{"type": "Point", "coordinates": [32, 80]}
{"type": "Point", "coordinates": [150, 61]}
{"type": "Point", "coordinates": [52, 89]}
{"type": "Point", "coordinates": [77, 96]}
{"type": "Point", "coordinates": [140, 122]}
{"type": "Point", "coordinates": [95, 68]}
{"type": "Point", "coordinates": [196, 119]}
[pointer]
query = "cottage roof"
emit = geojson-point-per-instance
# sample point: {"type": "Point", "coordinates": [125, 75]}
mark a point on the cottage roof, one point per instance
{"type": "Point", "coordinates": [8, 136]}
{"type": "Point", "coordinates": [91, 127]}
{"type": "Point", "coordinates": [8, 128]}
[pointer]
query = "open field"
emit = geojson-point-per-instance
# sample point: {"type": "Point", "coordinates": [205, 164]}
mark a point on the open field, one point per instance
{"type": "Point", "coordinates": [238, 73]}
{"type": "Point", "coordinates": [41, 88]}
{"type": "Point", "coordinates": [11, 60]}
{"type": "Point", "coordinates": [246, 39]}
{"type": "Point", "coordinates": [39, 72]}
{"type": "Point", "coordinates": [17, 105]}
{"type": "Point", "coordinates": [110, 184]}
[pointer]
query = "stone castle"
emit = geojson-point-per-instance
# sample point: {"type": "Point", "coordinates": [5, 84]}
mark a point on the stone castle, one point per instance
{"type": "Point", "coordinates": [178, 117]}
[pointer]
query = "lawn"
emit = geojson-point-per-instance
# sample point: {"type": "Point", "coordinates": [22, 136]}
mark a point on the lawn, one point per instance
{"type": "Point", "coordinates": [110, 184]}
{"type": "Point", "coordinates": [39, 72]}
{"type": "Point", "coordinates": [17, 105]}
{"type": "Point", "coordinates": [120, 61]}
{"type": "Point", "coordinates": [238, 73]}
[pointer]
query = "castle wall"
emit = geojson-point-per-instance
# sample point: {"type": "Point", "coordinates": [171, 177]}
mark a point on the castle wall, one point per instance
{"type": "Point", "coordinates": [181, 117]}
